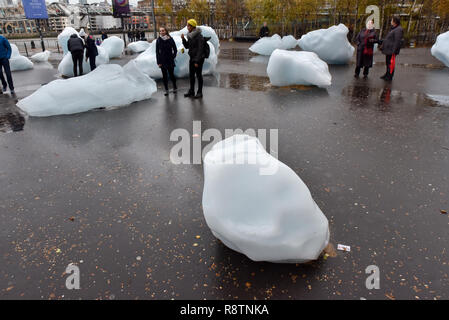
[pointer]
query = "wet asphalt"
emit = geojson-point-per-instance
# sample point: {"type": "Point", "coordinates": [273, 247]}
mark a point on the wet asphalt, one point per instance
{"type": "Point", "coordinates": [98, 189]}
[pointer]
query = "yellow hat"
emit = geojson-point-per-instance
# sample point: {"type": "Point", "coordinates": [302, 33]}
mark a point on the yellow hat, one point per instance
{"type": "Point", "coordinates": [192, 22]}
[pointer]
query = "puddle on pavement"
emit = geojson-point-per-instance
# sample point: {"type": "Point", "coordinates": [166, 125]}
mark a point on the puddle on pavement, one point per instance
{"type": "Point", "coordinates": [11, 118]}
{"type": "Point", "coordinates": [238, 54]}
{"type": "Point", "coordinates": [243, 82]}
{"type": "Point", "coordinates": [362, 96]}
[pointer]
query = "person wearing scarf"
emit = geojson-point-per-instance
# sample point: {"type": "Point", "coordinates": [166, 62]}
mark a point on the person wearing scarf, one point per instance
{"type": "Point", "coordinates": [365, 48]}
{"type": "Point", "coordinates": [195, 43]}
{"type": "Point", "coordinates": [165, 56]}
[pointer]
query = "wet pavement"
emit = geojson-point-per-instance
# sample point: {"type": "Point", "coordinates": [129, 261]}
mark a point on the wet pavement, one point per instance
{"type": "Point", "coordinates": [98, 189]}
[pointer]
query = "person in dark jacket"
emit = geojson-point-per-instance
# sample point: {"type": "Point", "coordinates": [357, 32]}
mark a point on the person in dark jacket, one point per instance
{"type": "Point", "coordinates": [76, 47]}
{"type": "Point", "coordinates": [5, 55]}
{"type": "Point", "coordinates": [91, 51]}
{"type": "Point", "coordinates": [104, 35]}
{"type": "Point", "coordinates": [391, 47]}
{"type": "Point", "coordinates": [165, 56]}
{"type": "Point", "coordinates": [264, 31]}
{"type": "Point", "coordinates": [365, 48]}
{"type": "Point", "coordinates": [195, 43]}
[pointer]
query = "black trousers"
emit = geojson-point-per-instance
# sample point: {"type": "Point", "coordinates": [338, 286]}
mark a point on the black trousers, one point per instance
{"type": "Point", "coordinates": [92, 63]}
{"type": "Point", "coordinates": [4, 65]}
{"type": "Point", "coordinates": [390, 67]}
{"type": "Point", "coordinates": [365, 70]}
{"type": "Point", "coordinates": [77, 58]}
{"type": "Point", "coordinates": [198, 72]}
{"type": "Point", "coordinates": [166, 72]}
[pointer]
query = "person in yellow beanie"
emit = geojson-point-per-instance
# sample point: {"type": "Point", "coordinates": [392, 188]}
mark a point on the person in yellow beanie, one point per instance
{"type": "Point", "coordinates": [196, 43]}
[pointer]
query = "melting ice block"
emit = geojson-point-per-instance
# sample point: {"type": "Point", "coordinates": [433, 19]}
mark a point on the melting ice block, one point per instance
{"type": "Point", "coordinates": [109, 85]}
{"type": "Point", "coordinates": [147, 62]}
{"type": "Point", "coordinates": [18, 62]}
{"type": "Point", "coordinates": [41, 56]}
{"type": "Point", "coordinates": [267, 217]}
{"type": "Point", "coordinates": [440, 49]}
{"type": "Point", "coordinates": [139, 46]}
{"type": "Point", "coordinates": [330, 44]}
{"type": "Point", "coordinates": [207, 32]}
{"type": "Point", "coordinates": [65, 67]}
{"type": "Point", "coordinates": [265, 46]}
{"type": "Point", "coordinates": [297, 67]}
{"type": "Point", "coordinates": [114, 46]}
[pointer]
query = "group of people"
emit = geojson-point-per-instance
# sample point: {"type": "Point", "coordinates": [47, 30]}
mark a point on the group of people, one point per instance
{"type": "Point", "coordinates": [166, 52]}
{"type": "Point", "coordinates": [76, 45]}
{"type": "Point", "coordinates": [390, 47]}
{"type": "Point", "coordinates": [136, 35]}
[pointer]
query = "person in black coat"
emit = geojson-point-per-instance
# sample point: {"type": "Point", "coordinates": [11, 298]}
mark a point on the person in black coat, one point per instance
{"type": "Point", "coordinates": [165, 56]}
{"type": "Point", "coordinates": [91, 51]}
{"type": "Point", "coordinates": [391, 47]}
{"type": "Point", "coordinates": [264, 31]}
{"type": "Point", "coordinates": [76, 47]}
{"type": "Point", "coordinates": [195, 43]}
{"type": "Point", "coordinates": [365, 40]}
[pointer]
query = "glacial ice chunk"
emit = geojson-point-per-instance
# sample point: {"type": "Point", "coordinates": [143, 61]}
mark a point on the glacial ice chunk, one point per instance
{"type": "Point", "coordinates": [206, 31]}
{"type": "Point", "coordinates": [65, 67]}
{"type": "Point", "coordinates": [114, 46]}
{"type": "Point", "coordinates": [330, 44]}
{"type": "Point", "coordinates": [41, 56]}
{"type": "Point", "coordinates": [297, 67]}
{"type": "Point", "coordinates": [147, 62]}
{"type": "Point", "coordinates": [267, 217]}
{"type": "Point", "coordinates": [109, 85]}
{"type": "Point", "coordinates": [265, 46]}
{"type": "Point", "coordinates": [440, 49]}
{"type": "Point", "coordinates": [139, 46]}
{"type": "Point", "coordinates": [18, 62]}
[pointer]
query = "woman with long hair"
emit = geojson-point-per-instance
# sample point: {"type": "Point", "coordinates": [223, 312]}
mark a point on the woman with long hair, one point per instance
{"type": "Point", "coordinates": [166, 51]}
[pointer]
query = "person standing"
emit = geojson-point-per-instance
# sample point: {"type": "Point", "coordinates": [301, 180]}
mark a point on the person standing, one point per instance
{"type": "Point", "coordinates": [76, 47]}
{"type": "Point", "coordinates": [5, 55]}
{"type": "Point", "coordinates": [264, 31]}
{"type": "Point", "coordinates": [91, 51]}
{"type": "Point", "coordinates": [391, 47]}
{"type": "Point", "coordinates": [165, 56]}
{"type": "Point", "coordinates": [365, 40]}
{"type": "Point", "coordinates": [195, 43]}
{"type": "Point", "coordinates": [104, 35]}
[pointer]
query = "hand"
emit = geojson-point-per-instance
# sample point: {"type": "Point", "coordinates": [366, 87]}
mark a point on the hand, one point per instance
{"type": "Point", "coordinates": [196, 65]}
{"type": "Point", "coordinates": [86, 59]}
{"type": "Point", "coordinates": [160, 65]}
{"type": "Point", "coordinates": [182, 35]}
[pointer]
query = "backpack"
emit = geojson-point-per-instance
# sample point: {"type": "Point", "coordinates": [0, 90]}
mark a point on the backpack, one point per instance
{"type": "Point", "coordinates": [206, 48]}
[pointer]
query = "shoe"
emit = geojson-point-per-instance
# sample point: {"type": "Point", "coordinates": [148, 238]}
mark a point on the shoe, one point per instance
{"type": "Point", "coordinates": [4, 89]}
{"type": "Point", "coordinates": [199, 95]}
{"type": "Point", "coordinates": [166, 93]}
{"type": "Point", "coordinates": [365, 76]}
{"type": "Point", "coordinates": [12, 92]}
{"type": "Point", "coordinates": [384, 77]}
{"type": "Point", "coordinates": [356, 76]}
{"type": "Point", "coordinates": [189, 94]}
{"type": "Point", "coordinates": [175, 90]}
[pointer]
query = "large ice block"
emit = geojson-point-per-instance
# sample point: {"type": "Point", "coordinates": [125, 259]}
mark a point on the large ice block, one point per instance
{"type": "Point", "coordinates": [440, 49]}
{"type": "Point", "coordinates": [18, 62]}
{"type": "Point", "coordinates": [267, 217]}
{"type": "Point", "coordinates": [330, 44]}
{"type": "Point", "coordinates": [114, 46]}
{"type": "Point", "coordinates": [297, 67]}
{"type": "Point", "coordinates": [109, 85]}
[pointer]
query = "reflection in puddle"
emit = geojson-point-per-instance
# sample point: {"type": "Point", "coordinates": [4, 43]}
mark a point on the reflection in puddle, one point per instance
{"type": "Point", "coordinates": [239, 54]}
{"type": "Point", "coordinates": [243, 82]}
{"type": "Point", "coordinates": [363, 96]}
